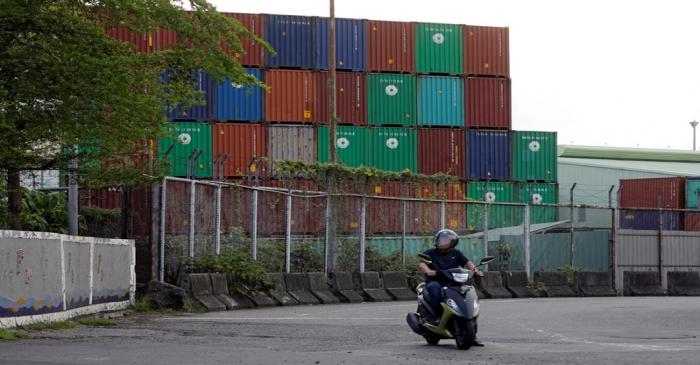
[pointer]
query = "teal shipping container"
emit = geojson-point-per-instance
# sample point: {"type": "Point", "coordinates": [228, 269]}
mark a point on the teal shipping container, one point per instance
{"type": "Point", "coordinates": [692, 191]}
{"type": "Point", "coordinates": [184, 139]}
{"type": "Point", "coordinates": [440, 101]}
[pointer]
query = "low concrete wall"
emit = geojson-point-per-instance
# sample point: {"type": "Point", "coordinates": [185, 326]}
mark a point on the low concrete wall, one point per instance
{"type": "Point", "coordinates": [48, 276]}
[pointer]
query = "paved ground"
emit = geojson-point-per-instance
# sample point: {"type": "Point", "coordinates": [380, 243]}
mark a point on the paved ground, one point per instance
{"type": "Point", "coordinates": [536, 331]}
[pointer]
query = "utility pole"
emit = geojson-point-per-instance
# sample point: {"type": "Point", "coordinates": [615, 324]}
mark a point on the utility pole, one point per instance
{"type": "Point", "coordinates": [693, 124]}
{"type": "Point", "coordinates": [331, 86]}
{"type": "Point", "coordinates": [331, 234]}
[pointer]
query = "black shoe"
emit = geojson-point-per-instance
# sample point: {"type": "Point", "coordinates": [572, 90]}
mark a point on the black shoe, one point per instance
{"type": "Point", "coordinates": [477, 343]}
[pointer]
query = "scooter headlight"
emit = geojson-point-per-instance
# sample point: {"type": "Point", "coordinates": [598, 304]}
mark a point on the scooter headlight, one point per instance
{"type": "Point", "coordinates": [452, 304]}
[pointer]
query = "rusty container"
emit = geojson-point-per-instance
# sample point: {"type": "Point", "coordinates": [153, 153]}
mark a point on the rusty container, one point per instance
{"type": "Point", "coordinates": [242, 143]}
{"type": "Point", "coordinates": [390, 46]}
{"type": "Point", "coordinates": [351, 96]}
{"type": "Point", "coordinates": [486, 51]}
{"type": "Point", "coordinates": [665, 192]}
{"type": "Point", "coordinates": [488, 103]}
{"type": "Point", "coordinates": [442, 150]}
{"type": "Point", "coordinates": [253, 52]}
{"type": "Point", "coordinates": [292, 96]}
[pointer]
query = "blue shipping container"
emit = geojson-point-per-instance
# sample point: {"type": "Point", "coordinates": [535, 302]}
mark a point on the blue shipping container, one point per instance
{"type": "Point", "coordinates": [237, 102]}
{"type": "Point", "coordinates": [488, 156]}
{"type": "Point", "coordinates": [350, 44]}
{"type": "Point", "coordinates": [292, 38]}
{"type": "Point", "coordinates": [649, 220]}
{"type": "Point", "coordinates": [200, 113]}
{"type": "Point", "coordinates": [440, 101]}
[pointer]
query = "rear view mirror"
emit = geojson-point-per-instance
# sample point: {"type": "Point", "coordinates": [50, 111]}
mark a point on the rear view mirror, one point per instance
{"type": "Point", "coordinates": [486, 260]}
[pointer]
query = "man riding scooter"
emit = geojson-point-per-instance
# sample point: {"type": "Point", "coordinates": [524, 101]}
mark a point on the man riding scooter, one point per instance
{"type": "Point", "coordinates": [444, 256]}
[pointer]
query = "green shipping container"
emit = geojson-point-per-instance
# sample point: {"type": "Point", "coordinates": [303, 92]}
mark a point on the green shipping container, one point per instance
{"type": "Point", "coordinates": [692, 190]}
{"type": "Point", "coordinates": [186, 137]}
{"type": "Point", "coordinates": [391, 99]}
{"type": "Point", "coordinates": [439, 48]}
{"type": "Point", "coordinates": [393, 149]}
{"type": "Point", "coordinates": [536, 194]}
{"type": "Point", "coordinates": [351, 145]}
{"type": "Point", "coordinates": [534, 156]}
{"type": "Point", "coordinates": [499, 215]}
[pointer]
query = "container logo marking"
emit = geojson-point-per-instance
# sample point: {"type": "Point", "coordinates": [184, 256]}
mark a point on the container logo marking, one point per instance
{"type": "Point", "coordinates": [534, 146]}
{"type": "Point", "coordinates": [536, 199]}
{"type": "Point", "coordinates": [392, 143]}
{"type": "Point", "coordinates": [391, 90]}
{"type": "Point", "coordinates": [342, 142]}
{"type": "Point", "coordinates": [184, 138]}
{"type": "Point", "coordinates": [490, 197]}
{"type": "Point", "coordinates": [438, 38]}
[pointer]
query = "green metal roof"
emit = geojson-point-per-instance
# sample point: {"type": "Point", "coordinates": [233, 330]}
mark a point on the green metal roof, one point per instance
{"type": "Point", "coordinates": [635, 154]}
{"type": "Point", "coordinates": [658, 167]}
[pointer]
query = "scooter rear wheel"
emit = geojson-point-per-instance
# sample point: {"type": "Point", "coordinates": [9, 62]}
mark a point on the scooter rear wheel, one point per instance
{"type": "Point", "coordinates": [432, 339]}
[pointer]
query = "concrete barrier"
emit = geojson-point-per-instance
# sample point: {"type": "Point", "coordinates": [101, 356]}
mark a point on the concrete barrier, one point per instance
{"type": "Point", "coordinates": [517, 284]}
{"type": "Point", "coordinates": [594, 284]}
{"type": "Point", "coordinates": [235, 290]}
{"type": "Point", "coordinates": [201, 290]}
{"type": "Point", "coordinates": [344, 288]}
{"type": "Point", "coordinates": [220, 291]}
{"type": "Point", "coordinates": [491, 284]}
{"type": "Point", "coordinates": [683, 283]}
{"type": "Point", "coordinates": [318, 286]}
{"type": "Point", "coordinates": [642, 283]}
{"type": "Point", "coordinates": [279, 292]}
{"type": "Point", "coordinates": [555, 283]}
{"type": "Point", "coordinates": [371, 286]}
{"type": "Point", "coordinates": [396, 284]}
{"type": "Point", "coordinates": [297, 288]}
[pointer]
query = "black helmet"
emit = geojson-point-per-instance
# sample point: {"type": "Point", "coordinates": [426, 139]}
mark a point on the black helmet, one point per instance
{"type": "Point", "coordinates": [445, 236]}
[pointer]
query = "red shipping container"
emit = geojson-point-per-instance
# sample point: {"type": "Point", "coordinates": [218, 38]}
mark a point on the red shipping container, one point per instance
{"type": "Point", "coordinates": [645, 193]}
{"type": "Point", "coordinates": [384, 215]}
{"type": "Point", "coordinates": [692, 222]}
{"type": "Point", "coordinates": [241, 142]}
{"type": "Point", "coordinates": [163, 39]}
{"type": "Point", "coordinates": [455, 213]}
{"type": "Point", "coordinates": [391, 46]}
{"type": "Point", "coordinates": [139, 41]}
{"type": "Point", "coordinates": [486, 51]}
{"type": "Point", "coordinates": [253, 51]}
{"type": "Point", "coordinates": [442, 150]}
{"type": "Point", "coordinates": [292, 96]}
{"type": "Point", "coordinates": [351, 95]}
{"type": "Point", "coordinates": [488, 103]}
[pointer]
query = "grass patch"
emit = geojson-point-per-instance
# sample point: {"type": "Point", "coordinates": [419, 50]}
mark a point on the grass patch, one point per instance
{"type": "Point", "coordinates": [141, 304]}
{"type": "Point", "coordinates": [60, 325]}
{"type": "Point", "coordinates": [7, 335]}
{"type": "Point", "coordinates": [97, 321]}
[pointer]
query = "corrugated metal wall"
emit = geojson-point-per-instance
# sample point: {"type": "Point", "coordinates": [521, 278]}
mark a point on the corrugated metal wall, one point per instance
{"type": "Point", "coordinates": [390, 46]}
{"type": "Point", "coordinates": [442, 150]}
{"type": "Point", "coordinates": [391, 99]}
{"type": "Point", "coordinates": [186, 137]}
{"type": "Point", "coordinates": [253, 52]}
{"type": "Point", "coordinates": [236, 102]}
{"type": "Point", "coordinates": [393, 149]}
{"type": "Point", "coordinates": [440, 101]}
{"type": "Point", "coordinates": [486, 51]}
{"type": "Point", "coordinates": [351, 143]}
{"type": "Point", "coordinates": [645, 193]}
{"type": "Point", "coordinates": [351, 41]}
{"type": "Point", "coordinates": [692, 192]}
{"type": "Point", "coordinates": [291, 37]}
{"type": "Point", "coordinates": [351, 97]}
{"type": "Point", "coordinates": [534, 156]}
{"type": "Point", "coordinates": [638, 251]}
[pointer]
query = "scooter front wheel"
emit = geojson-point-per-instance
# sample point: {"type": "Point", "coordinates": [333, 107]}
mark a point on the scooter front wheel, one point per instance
{"type": "Point", "coordinates": [431, 339]}
{"type": "Point", "coordinates": [466, 336]}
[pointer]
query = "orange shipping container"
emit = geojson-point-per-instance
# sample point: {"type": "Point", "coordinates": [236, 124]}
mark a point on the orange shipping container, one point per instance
{"type": "Point", "coordinates": [253, 51]}
{"type": "Point", "coordinates": [292, 96]}
{"type": "Point", "coordinates": [241, 142]}
{"type": "Point", "coordinates": [486, 51]}
{"type": "Point", "coordinates": [390, 46]}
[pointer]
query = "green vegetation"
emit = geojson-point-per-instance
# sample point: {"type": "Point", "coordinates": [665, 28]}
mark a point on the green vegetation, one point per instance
{"type": "Point", "coordinates": [536, 287]}
{"type": "Point", "coordinates": [97, 322]}
{"type": "Point", "coordinates": [248, 272]}
{"type": "Point", "coordinates": [570, 271]}
{"type": "Point", "coordinates": [142, 304]}
{"type": "Point", "coordinates": [59, 325]}
{"type": "Point", "coordinates": [8, 335]}
{"type": "Point", "coordinates": [69, 92]}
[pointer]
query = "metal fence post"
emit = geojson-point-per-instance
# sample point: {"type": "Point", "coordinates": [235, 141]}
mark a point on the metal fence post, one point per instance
{"type": "Point", "coordinates": [326, 250]}
{"type": "Point", "coordinates": [288, 241]}
{"type": "Point", "coordinates": [571, 231]}
{"type": "Point", "coordinates": [254, 228]}
{"type": "Point", "coordinates": [363, 216]}
{"type": "Point", "coordinates": [403, 231]}
{"type": "Point", "coordinates": [442, 214]}
{"type": "Point", "coordinates": [486, 233]}
{"type": "Point", "coordinates": [526, 233]}
{"type": "Point", "coordinates": [217, 228]}
{"type": "Point", "coordinates": [193, 190]}
{"type": "Point", "coordinates": [161, 232]}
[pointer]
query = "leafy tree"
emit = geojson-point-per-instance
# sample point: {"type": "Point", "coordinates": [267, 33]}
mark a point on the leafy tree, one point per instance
{"type": "Point", "coordinates": [65, 83]}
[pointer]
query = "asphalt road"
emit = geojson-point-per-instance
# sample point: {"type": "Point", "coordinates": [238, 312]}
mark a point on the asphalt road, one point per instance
{"type": "Point", "coordinates": [617, 331]}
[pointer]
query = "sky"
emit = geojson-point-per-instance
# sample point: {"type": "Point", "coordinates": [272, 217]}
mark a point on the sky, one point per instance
{"type": "Point", "coordinates": [601, 73]}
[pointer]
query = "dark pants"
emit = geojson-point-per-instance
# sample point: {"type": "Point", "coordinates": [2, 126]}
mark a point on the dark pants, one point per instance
{"type": "Point", "coordinates": [434, 289]}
